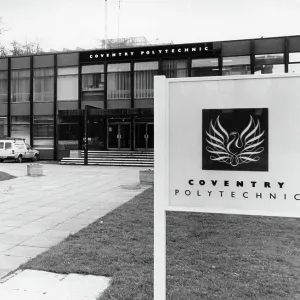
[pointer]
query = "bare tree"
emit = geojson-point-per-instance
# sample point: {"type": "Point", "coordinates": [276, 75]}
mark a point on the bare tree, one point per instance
{"type": "Point", "coordinates": [16, 48]}
{"type": "Point", "coordinates": [4, 51]}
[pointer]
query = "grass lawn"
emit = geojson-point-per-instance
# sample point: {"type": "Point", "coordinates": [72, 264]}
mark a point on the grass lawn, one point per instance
{"type": "Point", "coordinates": [5, 176]}
{"type": "Point", "coordinates": [209, 256]}
{"type": "Point", "coordinates": [214, 256]}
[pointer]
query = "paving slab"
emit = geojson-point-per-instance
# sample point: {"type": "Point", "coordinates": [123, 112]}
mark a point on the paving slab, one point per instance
{"type": "Point", "coordinates": [44, 223]}
{"type": "Point", "coordinates": [4, 229]}
{"type": "Point", "coordinates": [4, 247]}
{"type": "Point", "coordinates": [43, 241]}
{"type": "Point", "coordinates": [11, 262]}
{"type": "Point", "coordinates": [81, 219]}
{"type": "Point", "coordinates": [39, 285]}
{"type": "Point", "coordinates": [13, 238]}
{"type": "Point", "coordinates": [13, 221]}
{"type": "Point", "coordinates": [27, 231]}
{"type": "Point", "coordinates": [24, 251]}
{"type": "Point", "coordinates": [69, 226]}
{"type": "Point", "coordinates": [58, 218]}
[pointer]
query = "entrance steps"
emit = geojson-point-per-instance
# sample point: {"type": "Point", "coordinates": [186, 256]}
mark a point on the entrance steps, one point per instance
{"type": "Point", "coordinates": [113, 158]}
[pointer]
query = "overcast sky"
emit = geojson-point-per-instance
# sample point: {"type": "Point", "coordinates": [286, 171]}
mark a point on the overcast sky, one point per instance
{"type": "Point", "coordinates": [58, 24]}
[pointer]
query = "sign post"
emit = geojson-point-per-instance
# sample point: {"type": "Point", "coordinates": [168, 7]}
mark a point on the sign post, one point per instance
{"type": "Point", "coordinates": [86, 135]}
{"type": "Point", "coordinates": [224, 145]}
{"type": "Point", "coordinates": [161, 168]}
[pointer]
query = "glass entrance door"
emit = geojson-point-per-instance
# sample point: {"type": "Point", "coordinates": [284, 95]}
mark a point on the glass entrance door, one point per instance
{"type": "Point", "coordinates": [150, 136]}
{"type": "Point", "coordinates": [140, 135]}
{"type": "Point", "coordinates": [144, 136]}
{"type": "Point", "coordinates": [119, 136]}
{"type": "Point", "coordinates": [113, 136]}
{"type": "Point", "coordinates": [124, 136]}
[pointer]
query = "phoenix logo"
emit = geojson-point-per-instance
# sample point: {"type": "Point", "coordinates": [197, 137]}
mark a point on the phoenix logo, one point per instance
{"type": "Point", "coordinates": [235, 148]}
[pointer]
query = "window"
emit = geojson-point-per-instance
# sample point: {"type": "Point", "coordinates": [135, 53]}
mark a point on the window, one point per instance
{"type": "Point", "coordinates": [43, 85]}
{"type": "Point", "coordinates": [43, 130]}
{"type": "Point", "coordinates": [93, 78]}
{"type": "Point", "coordinates": [236, 65]}
{"type": "Point", "coordinates": [93, 82]}
{"type": "Point", "coordinates": [294, 68]}
{"type": "Point", "coordinates": [1, 145]}
{"type": "Point", "coordinates": [205, 67]}
{"type": "Point", "coordinates": [294, 57]}
{"type": "Point", "coordinates": [144, 73]}
{"type": "Point", "coordinates": [3, 127]}
{"type": "Point", "coordinates": [8, 145]}
{"type": "Point", "coordinates": [175, 68]}
{"type": "Point", "coordinates": [20, 127]}
{"type": "Point", "coordinates": [269, 63]}
{"type": "Point", "coordinates": [294, 62]}
{"type": "Point", "coordinates": [268, 59]}
{"type": "Point", "coordinates": [3, 86]}
{"type": "Point", "coordinates": [20, 85]}
{"type": "Point", "coordinates": [67, 84]}
{"type": "Point", "coordinates": [118, 81]}
{"type": "Point", "coordinates": [68, 133]}
{"type": "Point", "coordinates": [28, 147]}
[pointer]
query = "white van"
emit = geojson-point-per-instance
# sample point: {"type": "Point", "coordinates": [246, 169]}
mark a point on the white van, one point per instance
{"type": "Point", "coordinates": [17, 149]}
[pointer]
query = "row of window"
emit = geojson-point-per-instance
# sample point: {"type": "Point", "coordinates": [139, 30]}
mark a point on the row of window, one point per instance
{"type": "Point", "coordinates": [43, 85]}
{"type": "Point", "coordinates": [43, 130]}
{"type": "Point", "coordinates": [241, 65]}
{"type": "Point", "coordinates": [119, 79]}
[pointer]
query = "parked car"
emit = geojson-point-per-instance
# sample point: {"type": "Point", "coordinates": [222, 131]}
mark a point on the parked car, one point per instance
{"type": "Point", "coordinates": [17, 149]}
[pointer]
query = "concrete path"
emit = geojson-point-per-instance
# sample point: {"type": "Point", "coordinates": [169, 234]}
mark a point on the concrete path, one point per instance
{"type": "Point", "coordinates": [39, 212]}
{"type": "Point", "coordinates": [39, 285]}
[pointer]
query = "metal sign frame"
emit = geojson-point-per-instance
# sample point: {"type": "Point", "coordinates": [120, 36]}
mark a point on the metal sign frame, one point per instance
{"type": "Point", "coordinates": [162, 169]}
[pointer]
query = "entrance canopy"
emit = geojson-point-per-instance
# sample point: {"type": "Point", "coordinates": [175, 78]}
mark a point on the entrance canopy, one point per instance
{"type": "Point", "coordinates": [127, 112]}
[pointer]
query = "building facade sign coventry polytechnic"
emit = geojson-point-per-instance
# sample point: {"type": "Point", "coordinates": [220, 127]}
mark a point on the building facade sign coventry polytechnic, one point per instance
{"type": "Point", "coordinates": [146, 52]}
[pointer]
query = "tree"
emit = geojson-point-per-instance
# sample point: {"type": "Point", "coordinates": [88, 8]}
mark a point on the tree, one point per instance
{"type": "Point", "coordinates": [27, 48]}
{"type": "Point", "coordinates": [4, 51]}
{"type": "Point", "coordinates": [16, 48]}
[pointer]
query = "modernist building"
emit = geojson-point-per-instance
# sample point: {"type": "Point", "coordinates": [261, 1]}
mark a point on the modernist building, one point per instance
{"type": "Point", "coordinates": [43, 97]}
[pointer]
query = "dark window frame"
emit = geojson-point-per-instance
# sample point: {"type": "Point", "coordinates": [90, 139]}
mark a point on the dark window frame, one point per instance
{"type": "Point", "coordinates": [29, 78]}
{"type": "Point", "coordinates": [53, 83]}
{"type": "Point", "coordinates": [6, 100]}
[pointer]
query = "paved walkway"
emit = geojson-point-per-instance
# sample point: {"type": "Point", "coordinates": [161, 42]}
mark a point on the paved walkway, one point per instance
{"type": "Point", "coordinates": [39, 212]}
{"type": "Point", "coordinates": [40, 285]}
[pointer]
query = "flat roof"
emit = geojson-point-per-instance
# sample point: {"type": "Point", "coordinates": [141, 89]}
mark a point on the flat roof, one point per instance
{"type": "Point", "coordinates": [148, 46]}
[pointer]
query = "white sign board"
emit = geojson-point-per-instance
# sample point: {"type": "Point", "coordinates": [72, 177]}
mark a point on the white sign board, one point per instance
{"type": "Point", "coordinates": [225, 145]}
